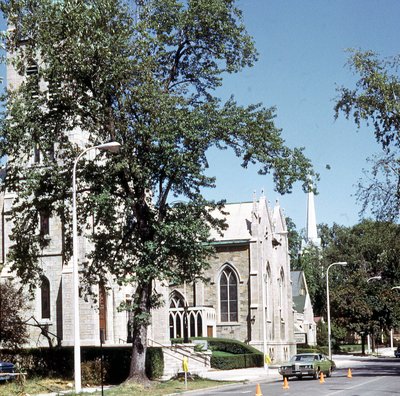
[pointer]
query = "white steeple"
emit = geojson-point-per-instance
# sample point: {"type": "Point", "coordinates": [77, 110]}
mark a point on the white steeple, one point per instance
{"type": "Point", "coordinates": [311, 224]}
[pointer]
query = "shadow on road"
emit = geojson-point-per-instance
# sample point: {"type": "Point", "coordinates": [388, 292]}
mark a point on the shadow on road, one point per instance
{"type": "Point", "coordinates": [372, 368]}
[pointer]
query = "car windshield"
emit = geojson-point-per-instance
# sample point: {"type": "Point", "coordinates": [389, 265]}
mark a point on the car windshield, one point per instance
{"type": "Point", "coordinates": [303, 358]}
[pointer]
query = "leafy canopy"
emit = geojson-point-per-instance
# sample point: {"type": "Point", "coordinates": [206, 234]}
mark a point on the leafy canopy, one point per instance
{"type": "Point", "coordinates": [371, 249]}
{"type": "Point", "coordinates": [143, 75]}
{"type": "Point", "coordinates": [13, 303]}
{"type": "Point", "coordinates": [375, 100]}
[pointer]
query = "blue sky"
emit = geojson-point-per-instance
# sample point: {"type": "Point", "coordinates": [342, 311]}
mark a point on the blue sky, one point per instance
{"type": "Point", "coordinates": [302, 56]}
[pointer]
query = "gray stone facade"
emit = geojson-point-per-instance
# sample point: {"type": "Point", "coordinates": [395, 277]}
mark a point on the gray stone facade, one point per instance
{"type": "Point", "coordinates": [255, 249]}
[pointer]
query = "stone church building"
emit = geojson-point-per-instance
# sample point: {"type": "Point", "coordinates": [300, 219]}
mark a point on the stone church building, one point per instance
{"type": "Point", "coordinates": [248, 296]}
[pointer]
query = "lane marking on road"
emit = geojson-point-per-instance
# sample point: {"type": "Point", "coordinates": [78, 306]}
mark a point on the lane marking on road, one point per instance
{"type": "Point", "coordinates": [355, 386]}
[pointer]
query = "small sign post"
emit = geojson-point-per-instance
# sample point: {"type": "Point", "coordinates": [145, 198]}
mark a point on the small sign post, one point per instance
{"type": "Point", "coordinates": [185, 367]}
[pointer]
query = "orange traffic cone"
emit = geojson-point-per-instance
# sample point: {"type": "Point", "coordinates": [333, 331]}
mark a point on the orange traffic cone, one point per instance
{"type": "Point", "coordinates": [349, 375]}
{"type": "Point", "coordinates": [321, 378]}
{"type": "Point", "coordinates": [258, 390]}
{"type": "Point", "coordinates": [285, 383]}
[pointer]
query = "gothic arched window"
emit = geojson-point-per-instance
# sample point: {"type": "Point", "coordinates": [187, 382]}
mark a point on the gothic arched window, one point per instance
{"type": "Point", "coordinates": [176, 315]}
{"type": "Point", "coordinates": [45, 298]}
{"type": "Point", "coordinates": [281, 281]}
{"type": "Point", "coordinates": [268, 292]}
{"type": "Point", "coordinates": [228, 295]}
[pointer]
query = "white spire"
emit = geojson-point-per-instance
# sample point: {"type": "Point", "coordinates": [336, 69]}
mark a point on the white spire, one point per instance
{"type": "Point", "coordinates": [311, 225]}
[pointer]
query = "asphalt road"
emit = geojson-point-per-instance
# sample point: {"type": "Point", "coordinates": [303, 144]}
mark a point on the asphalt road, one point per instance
{"type": "Point", "coordinates": [370, 377]}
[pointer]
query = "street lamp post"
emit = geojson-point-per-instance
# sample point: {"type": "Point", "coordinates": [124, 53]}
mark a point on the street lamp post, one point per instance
{"type": "Point", "coordinates": [328, 306]}
{"type": "Point", "coordinates": [391, 331]}
{"type": "Point", "coordinates": [112, 147]}
{"type": "Point", "coordinates": [378, 277]}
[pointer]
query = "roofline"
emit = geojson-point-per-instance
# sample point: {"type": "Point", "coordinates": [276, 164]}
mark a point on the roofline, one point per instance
{"type": "Point", "coordinates": [231, 242]}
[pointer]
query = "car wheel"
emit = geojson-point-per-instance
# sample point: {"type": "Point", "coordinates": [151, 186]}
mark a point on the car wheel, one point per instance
{"type": "Point", "coordinates": [317, 373]}
{"type": "Point", "coordinates": [329, 372]}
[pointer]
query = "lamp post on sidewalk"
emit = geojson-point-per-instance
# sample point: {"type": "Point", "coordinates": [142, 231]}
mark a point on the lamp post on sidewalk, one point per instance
{"type": "Point", "coordinates": [328, 306]}
{"type": "Point", "coordinates": [378, 277]}
{"type": "Point", "coordinates": [112, 147]}
{"type": "Point", "coordinates": [391, 330]}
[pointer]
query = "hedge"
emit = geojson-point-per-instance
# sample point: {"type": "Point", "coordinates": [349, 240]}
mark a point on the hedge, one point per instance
{"type": "Point", "coordinates": [317, 349]}
{"type": "Point", "coordinates": [237, 361]}
{"type": "Point", "coordinates": [58, 362]}
{"type": "Point", "coordinates": [244, 355]}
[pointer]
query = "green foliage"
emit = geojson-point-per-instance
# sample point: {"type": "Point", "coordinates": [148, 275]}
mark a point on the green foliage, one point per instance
{"type": "Point", "coordinates": [58, 362]}
{"type": "Point", "coordinates": [294, 240]}
{"type": "Point", "coordinates": [310, 263]}
{"type": "Point", "coordinates": [319, 349]}
{"type": "Point", "coordinates": [154, 362]}
{"type": "Point", "coordinates": [143, 74]}
{"type": "Point", "coordinates": [13, 303]}
{"type": "Point", "coordinates": [350, 348]}
{"type": "Point", "coordinates": [91, 372]}
{"type": "Point", "coordinates": [231, 346]}
{"type": "Point", "coordinates": [237, 361]}
{"type": "Point", "coordinates": [322, 333]}
{"type": "Point", "coordinates": [240, 355]}
{"type": "Point", "coordinates": [42, 362]}
{"type": "Point", "coordinates": [370, 249]}
{"type": "Point", "coordinates": [375, 100]}
{"type": "Point", "coordinates": [229, 354]}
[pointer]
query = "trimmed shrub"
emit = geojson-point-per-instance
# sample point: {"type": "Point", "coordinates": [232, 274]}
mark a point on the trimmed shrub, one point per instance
{"type": "Point", "coordinates": [231, 346]}
{"type": "Point", "coordinates": [237, 361]}
{"type": "Point", "coordinates": [154, 362]}
{"type": "Point", "coordinates": [244, 355]}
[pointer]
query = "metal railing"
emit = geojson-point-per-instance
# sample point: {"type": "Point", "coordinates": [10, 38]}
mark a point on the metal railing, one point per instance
{"type": "Point", "coordinates": [177, 348]}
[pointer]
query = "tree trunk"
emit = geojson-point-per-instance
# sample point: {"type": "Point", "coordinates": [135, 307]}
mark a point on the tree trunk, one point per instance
{"type": "Point", "coordinates": [363, 336]}
{"type": "Point", "coordinates": [137, 371]}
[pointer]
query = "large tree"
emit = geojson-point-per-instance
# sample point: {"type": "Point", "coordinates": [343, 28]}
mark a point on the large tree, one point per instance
{"type": "Point", "coordinates": [375, 99]}
{"type": "Point", "coordinates": [143, 73]}
{"type": "Point", "coordinates": [359, 303]}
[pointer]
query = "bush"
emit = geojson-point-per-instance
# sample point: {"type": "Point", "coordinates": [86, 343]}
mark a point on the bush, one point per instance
{"type": "Point", "coordinates": [237, 361]}
{"type": "Point", "coordinates": [91, 372]}
{"type": "Point", "coordinates": [58, 362]}
{"type": "Point", "coordinates": [318, 349]}
{"type": "Point", "coordinates": [154, 362]}
{"type": "Point", "coordinates": [231, 346]}
{"type": "Point", "coordinates": [244, 355]}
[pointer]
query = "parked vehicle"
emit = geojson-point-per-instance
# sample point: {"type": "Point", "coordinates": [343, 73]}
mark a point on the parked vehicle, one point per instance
{"type": "Point", "coordinates": [307, 364]}
{"type": "Point", "coordinates": [397, 352]}
{"type": "Point", "coordinates": [5, 369]}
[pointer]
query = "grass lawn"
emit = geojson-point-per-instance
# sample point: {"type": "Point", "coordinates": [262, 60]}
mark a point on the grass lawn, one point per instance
{"type": "Point", "coordinates": [39, 385]}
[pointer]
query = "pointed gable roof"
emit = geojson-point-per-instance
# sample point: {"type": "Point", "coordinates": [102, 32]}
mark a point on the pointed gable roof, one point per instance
{"type": "Point", "coordinates": [279, 219]}
{"type": "Point", "coordinates": [238, 219]}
